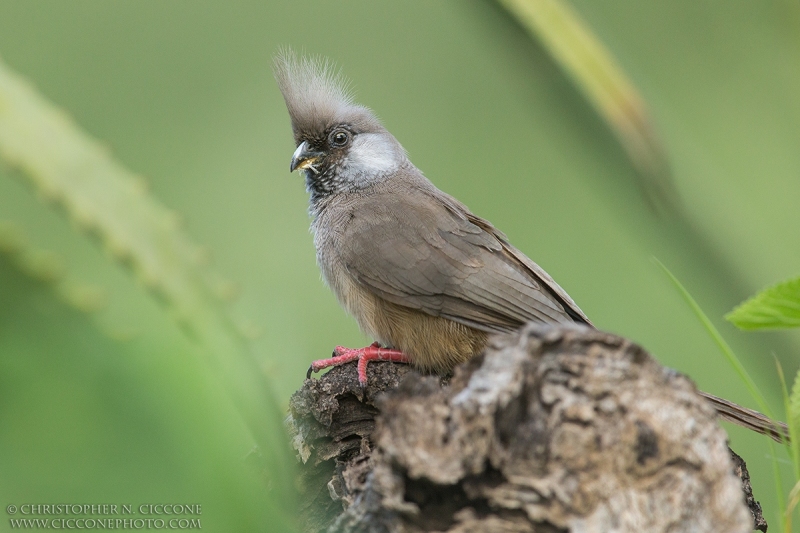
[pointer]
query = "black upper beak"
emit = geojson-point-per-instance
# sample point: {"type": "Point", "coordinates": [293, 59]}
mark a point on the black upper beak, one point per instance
{"type": "Point", "coordinates": [304, 157]}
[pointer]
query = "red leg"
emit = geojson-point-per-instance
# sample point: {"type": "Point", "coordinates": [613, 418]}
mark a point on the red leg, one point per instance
{"type": "Point", "coordinates": [373, 352]}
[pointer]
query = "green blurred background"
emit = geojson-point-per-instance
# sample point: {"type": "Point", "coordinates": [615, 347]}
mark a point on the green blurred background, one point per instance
{"type": "Point", "coordinates": [115, 406]}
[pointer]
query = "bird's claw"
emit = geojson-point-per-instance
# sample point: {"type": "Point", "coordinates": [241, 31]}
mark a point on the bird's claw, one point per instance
{"type": "Point", "coordinates": [373, 352]}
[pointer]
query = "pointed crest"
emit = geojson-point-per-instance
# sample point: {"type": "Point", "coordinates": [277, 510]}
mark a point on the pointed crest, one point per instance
{"type": "Point", "coordinates": [316, 95]}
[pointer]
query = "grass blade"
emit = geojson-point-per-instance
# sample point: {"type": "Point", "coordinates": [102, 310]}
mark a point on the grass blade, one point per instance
{"type": "Point", "coordinates": [605, 85]}
{"type": "Point", "coordinates": [726, 350]}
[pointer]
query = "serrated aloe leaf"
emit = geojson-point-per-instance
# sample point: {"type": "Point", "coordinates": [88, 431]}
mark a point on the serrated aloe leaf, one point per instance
{"type": "Point", "coordinates": [70, 169]}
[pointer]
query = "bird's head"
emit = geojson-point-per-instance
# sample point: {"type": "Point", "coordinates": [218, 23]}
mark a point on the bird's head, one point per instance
{"type": "Point", "coordinates": [341, 146]}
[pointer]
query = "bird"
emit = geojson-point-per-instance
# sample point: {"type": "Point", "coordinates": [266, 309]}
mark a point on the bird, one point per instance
{"type": "Point", "coordinates": [422, 275]}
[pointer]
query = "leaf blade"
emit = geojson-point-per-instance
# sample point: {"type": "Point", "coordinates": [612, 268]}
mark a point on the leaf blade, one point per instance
{"type": "Point", "coordinates": [596, 73]}
{"type": "Point", "coordinates": [775, 307]}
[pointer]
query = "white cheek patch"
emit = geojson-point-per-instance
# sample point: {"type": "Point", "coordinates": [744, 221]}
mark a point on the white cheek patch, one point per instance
{"type": "Point", "coordinates": [372, 154]}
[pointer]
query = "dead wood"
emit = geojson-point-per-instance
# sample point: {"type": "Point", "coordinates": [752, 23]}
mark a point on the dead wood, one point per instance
{"type": "Point", "coordinates": [551, 430]}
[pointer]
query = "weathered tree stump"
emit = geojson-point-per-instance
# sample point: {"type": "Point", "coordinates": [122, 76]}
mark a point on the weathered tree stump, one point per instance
{"type": "Point", "coordinates": [551, 430]}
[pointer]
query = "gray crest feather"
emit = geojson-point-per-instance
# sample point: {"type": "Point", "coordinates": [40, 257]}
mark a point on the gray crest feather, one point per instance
{"type": "Point", "coordinates": [317, 96]}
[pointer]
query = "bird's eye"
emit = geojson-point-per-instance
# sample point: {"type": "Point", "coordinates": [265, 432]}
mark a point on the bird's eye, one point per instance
{"type": "Point", "coordinates": [339, 138]}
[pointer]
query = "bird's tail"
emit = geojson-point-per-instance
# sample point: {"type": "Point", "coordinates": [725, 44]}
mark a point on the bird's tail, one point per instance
{"type": "Point", "coordinates": [747, 418]}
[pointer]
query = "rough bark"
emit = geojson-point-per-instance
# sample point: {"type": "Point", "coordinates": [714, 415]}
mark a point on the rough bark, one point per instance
{"type": "Point", "coordinates": [740, 469]}
{"type": "Point", "coordinates": [551, 430]}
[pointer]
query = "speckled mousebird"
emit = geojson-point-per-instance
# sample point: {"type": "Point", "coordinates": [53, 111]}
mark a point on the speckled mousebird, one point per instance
{"type": "Point", "coordinates": [423, 276]}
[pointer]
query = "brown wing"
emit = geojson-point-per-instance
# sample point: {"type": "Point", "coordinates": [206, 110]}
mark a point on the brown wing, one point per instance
{"type": "Point", "coordinates": [428, 252]}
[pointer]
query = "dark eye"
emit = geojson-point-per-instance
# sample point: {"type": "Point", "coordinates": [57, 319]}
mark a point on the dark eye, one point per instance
{"type": "Point", "coordinates": [339, 138]}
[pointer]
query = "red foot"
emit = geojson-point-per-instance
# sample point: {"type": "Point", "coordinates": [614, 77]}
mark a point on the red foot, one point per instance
{"type": "Point", "coordinates": [373, 352]}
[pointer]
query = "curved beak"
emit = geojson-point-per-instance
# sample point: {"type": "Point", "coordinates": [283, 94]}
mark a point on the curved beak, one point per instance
{"type": "Point", "coordinates": [304, 157]}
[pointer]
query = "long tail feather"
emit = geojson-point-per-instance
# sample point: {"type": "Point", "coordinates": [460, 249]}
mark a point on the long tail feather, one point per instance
{"type": "Point", "coordinates": [747, 418]}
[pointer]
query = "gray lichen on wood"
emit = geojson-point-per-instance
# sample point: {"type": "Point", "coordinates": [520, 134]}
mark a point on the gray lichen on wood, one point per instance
{"type": "Point", "coordinates": [550, 430]}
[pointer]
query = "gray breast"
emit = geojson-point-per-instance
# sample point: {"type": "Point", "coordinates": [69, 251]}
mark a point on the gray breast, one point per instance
{"type": "Point", "coordinates": [328, 226]}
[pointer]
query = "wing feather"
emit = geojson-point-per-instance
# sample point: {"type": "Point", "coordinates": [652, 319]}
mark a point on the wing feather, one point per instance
{"type": "Point", "coordinates": [428, 252]}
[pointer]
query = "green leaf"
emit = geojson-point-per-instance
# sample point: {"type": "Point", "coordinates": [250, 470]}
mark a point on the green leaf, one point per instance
{"type": "Point", "coordinates": [794, 499]}
{"type": "Point", "coordinates": [775, 307]}
{"type": "Point", "coordinates": [792, 446]}
{"type": "Point", "coordinates": [794, 413]}
{"type": "Point", "coordinates": [605, 85]}
{"type": "Point", "coordinates": [70, 169]}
